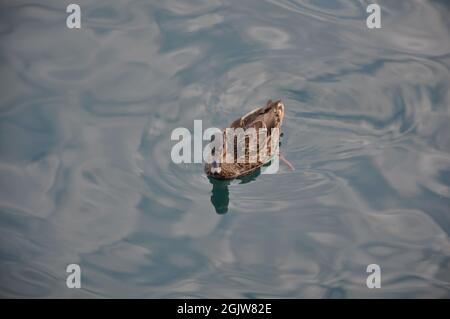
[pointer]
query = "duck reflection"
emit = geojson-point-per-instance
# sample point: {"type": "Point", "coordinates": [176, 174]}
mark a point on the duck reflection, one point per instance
{"type": "Point", "coordinates": [220, 194]}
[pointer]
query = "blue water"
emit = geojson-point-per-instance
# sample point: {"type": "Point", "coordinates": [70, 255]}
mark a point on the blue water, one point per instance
{"type": "Point", "coordinates": [86, 175]}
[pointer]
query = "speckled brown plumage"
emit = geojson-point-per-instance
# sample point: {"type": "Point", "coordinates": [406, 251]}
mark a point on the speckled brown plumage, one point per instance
{"type": "Point", "coordinates": [270, 116]}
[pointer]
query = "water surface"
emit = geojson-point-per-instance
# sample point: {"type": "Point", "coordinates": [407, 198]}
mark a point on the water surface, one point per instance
{"type": "Point", "coordinates": [86, 175]}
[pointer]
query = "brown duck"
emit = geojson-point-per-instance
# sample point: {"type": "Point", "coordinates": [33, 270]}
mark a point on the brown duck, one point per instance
{"type": "Point", "coordinates": [268, 117]}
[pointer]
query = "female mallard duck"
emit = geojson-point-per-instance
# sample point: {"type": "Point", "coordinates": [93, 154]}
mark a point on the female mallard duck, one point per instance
{"type": "Point", "coordinates": [269, 118]}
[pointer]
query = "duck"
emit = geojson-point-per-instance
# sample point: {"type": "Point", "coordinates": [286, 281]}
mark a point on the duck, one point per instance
{"type": "Point", "coordinates": [268, 117]}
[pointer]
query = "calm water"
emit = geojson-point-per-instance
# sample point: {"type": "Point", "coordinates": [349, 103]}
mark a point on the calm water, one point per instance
{"type": "Point", "coordinates": [85, 169]}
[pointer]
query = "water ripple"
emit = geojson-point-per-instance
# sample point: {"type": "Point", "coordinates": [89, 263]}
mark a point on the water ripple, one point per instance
{"type": "Point", "coordinates": [86, 175]}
